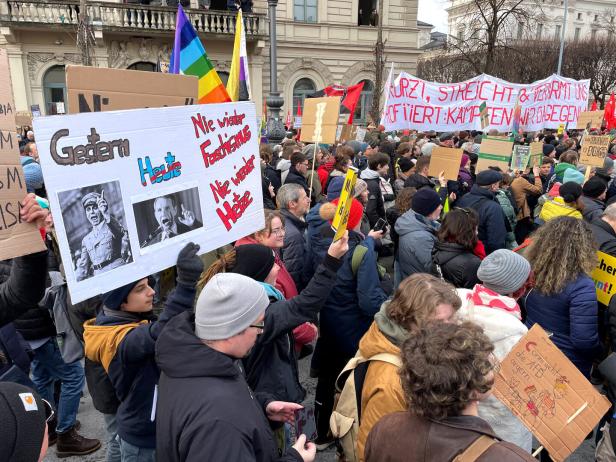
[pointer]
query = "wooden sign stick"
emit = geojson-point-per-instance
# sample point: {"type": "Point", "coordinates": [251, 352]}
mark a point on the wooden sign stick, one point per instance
{"type": "Point", "coordinates": [537, 451]}
{"type": "Point", "coordinates": [587, 174]}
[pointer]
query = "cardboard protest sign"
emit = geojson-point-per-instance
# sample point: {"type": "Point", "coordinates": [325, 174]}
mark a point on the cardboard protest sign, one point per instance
{"type": "Point", "coordinates": [96, 89]}
{"type": "Point", "coordinates": [594, 149]}
{"type": "Point", "coordinates": [482, 103]}
{"type": "Point", "coordinates": [445, 160]}
{"type": "Point", "coordinates": [360, 134]}
{"type": "Point", "coordinates": [339, 223]}
{"type": "Point", "coordinates": [23, 119]}
{"type": "Point", "coordinates": [494, 152]}
{"type": "Point", "coordinates": [16, 237]}
{"type": "Point", "coordinates": [128, 189]}
{"type": "Point", "coordinates": [320, 119]}
{"type": "Point", "coordinates": [347, 133]}
{"type": "Point", "coordinates": [536, 153]}
{"type": "Point", "coordinates": [548, 394]}
{"type": "Point", "coordinates": [604, 276]}
{"type": "Point", "coordinates": [520, 158]}
{"type": "Point", "coordinates": [589, 119]}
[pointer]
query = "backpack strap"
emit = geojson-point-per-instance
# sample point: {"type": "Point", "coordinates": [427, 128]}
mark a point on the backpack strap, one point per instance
{"type": "Point", "coordinates": [476, 449]}
{"type": "Point", "coordinates": [358, 255]}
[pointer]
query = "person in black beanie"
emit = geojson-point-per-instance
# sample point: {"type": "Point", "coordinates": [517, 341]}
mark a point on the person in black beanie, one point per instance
{"type": "Point", "coordinates": [593, 197]}
{"type": "Point", "coordinates": [23, 424]}
{"type": "Point", "coordinates": [123, 337]}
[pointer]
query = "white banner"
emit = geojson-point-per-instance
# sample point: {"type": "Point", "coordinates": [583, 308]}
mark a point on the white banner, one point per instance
{"type": "Point", "coordinates": [128, 189]}
{"type": "Point", "coordinates": [413, 103]}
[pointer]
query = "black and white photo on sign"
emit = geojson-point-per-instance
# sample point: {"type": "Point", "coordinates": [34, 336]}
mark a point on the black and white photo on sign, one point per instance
{"type": "Point", "coordinates": [167, 216]}
{"type": "Point", "coordinates": [95, 224]}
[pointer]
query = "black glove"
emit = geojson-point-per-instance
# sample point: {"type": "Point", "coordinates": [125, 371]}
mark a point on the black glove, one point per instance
{"type": "Point", "coordinates": [189, 265]}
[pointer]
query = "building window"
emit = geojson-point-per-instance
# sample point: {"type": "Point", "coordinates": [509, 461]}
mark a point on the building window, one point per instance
{"type": "Point", "coordinates": [305, 10]}
{"type": "Point", "coordinates": [224, 77]}
{"type": "Point", "coordinates": [576, 36]}
{"type": "Point", "coordinates": [368, 13]}
{"type": "Point", "coordinates": [520, 29]}
{"type": "Point", "coordinates": [593, 34]}
{"type": "Point", "coordinates": [54, 90]}
{"type": "Point", "coordinates": [302, 88]}
{"type": "Point", "coordinates": [579, 16]}
{"type": "Point", "coordinates": [596, 17]}
{"type": "Point", "coordinates": [461, 34]}
{"type": "Point", "coordinates": [143, 66]}
{"type": "Point", "coordinates": [557, 32]}
{"type": "Point", "coordinates": [539, 31]}
{"type": "Point", "coordinates": [362, 110]}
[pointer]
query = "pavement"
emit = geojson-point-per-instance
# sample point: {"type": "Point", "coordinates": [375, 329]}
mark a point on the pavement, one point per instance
{"type": "Point", "coordinates": [93, 426]}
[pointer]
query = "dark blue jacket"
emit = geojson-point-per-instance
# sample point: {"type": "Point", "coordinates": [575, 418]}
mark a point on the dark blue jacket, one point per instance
{"type": "Point", "coordinates": [492, 227]}
{"type": "Point", "coordinates": [125, 345]}
{"type": "Point", "coordinates": [572, 317]}
{"type": "Point", "coordinates": [354, 299]}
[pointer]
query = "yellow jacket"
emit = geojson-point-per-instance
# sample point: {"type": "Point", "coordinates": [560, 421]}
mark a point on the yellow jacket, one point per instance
{"type": "Point", "coordinates": [382, 391]}
{"type": "Point", "coordinates": [557, 207]}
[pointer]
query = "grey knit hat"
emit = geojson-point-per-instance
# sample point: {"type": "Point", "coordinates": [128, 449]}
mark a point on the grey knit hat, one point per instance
{"type": "Point", "coordinates": [504, 271]}
{"type": "Point", "coordinates": [228, 304]}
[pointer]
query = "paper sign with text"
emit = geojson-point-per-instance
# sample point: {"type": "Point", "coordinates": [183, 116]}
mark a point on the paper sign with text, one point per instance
{"type": "Point", "coordinates": [494, 152]}
{"type": "Point", "coordinates": [445, 160]}
{"type": "Point", "coordinates": [320, 120]}
{"type": "Point", "coordinates": [128, 189]}
{"type": "Point", "coordinates": [360, 134]}
{"type": "Point", "coordinates": [339, 223]}
{"type": "Point", "coordinates": [594, 149]}
{"type": "Point", "coordinates": [16, 237]}
{"type": "Point", "coordinates": [548, 394]}
{"type": "Point", "coordinates": [604, 276]}
{"type": "Point", "coordinates": [413, 103]}
{"type": "Point", "coordinates": [96, 89]}
{"type": "Point", "coordinates": [589, 119]}
{"type": "Point", "coordinates": [520, 158]}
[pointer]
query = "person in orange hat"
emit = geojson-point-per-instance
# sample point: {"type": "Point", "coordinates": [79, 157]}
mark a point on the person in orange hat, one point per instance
{"type": "Point", "coordinates": [350, 307]}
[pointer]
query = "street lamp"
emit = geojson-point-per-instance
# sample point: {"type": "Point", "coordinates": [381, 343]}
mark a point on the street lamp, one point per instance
{"type": "Point", "coordinates": [275, 128]}
{"type": "Point", "coordinates": [562, 39]}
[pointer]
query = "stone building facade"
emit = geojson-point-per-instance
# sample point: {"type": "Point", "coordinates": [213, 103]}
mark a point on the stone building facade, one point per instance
{"type": "Point", "coordinates": [320, 42]}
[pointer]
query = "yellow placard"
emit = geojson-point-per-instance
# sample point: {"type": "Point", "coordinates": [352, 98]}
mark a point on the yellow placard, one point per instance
{"type": "Point", "coordinates": [339, 223]}
{"type": "Point", "coordinates": [604, 276]}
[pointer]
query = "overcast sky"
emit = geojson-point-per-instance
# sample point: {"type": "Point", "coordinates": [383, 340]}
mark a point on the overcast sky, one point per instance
{"type": "Point", "coordinates": [433, 12]}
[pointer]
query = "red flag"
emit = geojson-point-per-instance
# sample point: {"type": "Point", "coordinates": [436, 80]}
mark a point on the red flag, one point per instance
{"type": "Point", "coordinates": [350, 97]}
{"type": "Point", "coordinates": [608, 113]}
{"type": "Point", "coordinates": [593, 107]}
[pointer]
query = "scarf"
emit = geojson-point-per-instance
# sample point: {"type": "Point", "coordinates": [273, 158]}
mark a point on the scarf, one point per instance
{"type": "Point", "coordinates": [271, 291]}
{"type": "Point", "coordinates": [482, 296]}
{"type": "Point", "coordinates": [394, 333]}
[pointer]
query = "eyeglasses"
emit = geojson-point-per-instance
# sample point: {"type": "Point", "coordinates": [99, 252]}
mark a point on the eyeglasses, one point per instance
{"type": "Point", "coordinates": [278, 231]}
{"type": "Point", "coordinates": [260, 326]}
{"type": "Point", "coordinates": [49, 412]}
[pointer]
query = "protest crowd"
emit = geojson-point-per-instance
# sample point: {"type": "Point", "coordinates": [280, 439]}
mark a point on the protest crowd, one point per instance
{"type": "Point", "coordinates": [433, 283]}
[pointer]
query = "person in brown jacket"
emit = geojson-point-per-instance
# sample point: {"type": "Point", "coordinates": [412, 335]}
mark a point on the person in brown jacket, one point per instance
{"type": "Point", "coordinates": [521, 188]}
{"type": "Point", "coordinates": [419, 298]}
{"type": "Point", "coordinates": [437, 362]}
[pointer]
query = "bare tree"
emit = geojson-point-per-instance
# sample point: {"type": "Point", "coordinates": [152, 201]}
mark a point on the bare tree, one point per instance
{"type": "Point", "coordinates": [493, 24]}
{"type": "Point", "coordinates": [379, 67]}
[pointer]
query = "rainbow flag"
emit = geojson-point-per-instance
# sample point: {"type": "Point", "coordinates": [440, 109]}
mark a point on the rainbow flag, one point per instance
{"type": "Point", "coordinates": [189, 58]}
{"type": "Point", "coordinates": [238, 85]}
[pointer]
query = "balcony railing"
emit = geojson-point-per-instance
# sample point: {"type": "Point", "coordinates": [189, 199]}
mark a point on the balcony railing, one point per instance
{"type": "Point", "coordinates": [119, 16]}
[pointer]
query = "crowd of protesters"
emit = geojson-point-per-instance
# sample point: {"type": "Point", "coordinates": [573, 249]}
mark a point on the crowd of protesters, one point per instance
{"type": "Point", "coordinates": [430, 287]}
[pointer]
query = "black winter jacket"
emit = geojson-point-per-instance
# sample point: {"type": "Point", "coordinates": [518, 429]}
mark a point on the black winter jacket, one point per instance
{"type": "Point", "coordinates": [205, 409]}
{"type": "Point", "coordinates": [25, 286]}
{"type": "Point", "coordinates": [458, 265]}
{"type": "Point", "coordinates": [375, 208]}
{"type": "Point", "coordinates": [492, 227]}
{"type": "Point", "coordinates": [271, 366]}
{"type": "Point", "coordinates": [294, 250]}
{"type": "Point", "coordinates": [593, 209]}
{"type": "Point", "coordinates": [295, 177]}
{"type": "Point", "coordinates": [604, 236]}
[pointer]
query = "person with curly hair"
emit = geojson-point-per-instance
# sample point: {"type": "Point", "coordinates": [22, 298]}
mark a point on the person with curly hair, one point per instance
{"type": "Point", "coordinates": [453, 256]}
{"type": "Point", "coordinates": [563, 300]}
{"type": "Point", "coordinates": [420, 298]}
{"type": "Point", "coordinates": [447, 369]}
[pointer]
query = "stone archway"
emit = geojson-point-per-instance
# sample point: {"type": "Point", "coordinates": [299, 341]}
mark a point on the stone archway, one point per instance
{"type": "Point", "coordinates": [357, 72]}
{"type": "Point", "coordinates": [300, 68]}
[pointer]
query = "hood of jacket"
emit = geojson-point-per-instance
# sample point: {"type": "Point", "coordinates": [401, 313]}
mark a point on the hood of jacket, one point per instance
{"type": "Point", "coordinates": [246, 240]}
{"type": "Point", "coordinates": [557, 207]}
{"type": "Point", "coordinates": [180, 354]}
{"type": "Point", "coordinates": [591, 205]}
{"type": "Point", "coordinates": [418, 181]}
{"type": "Point", "coordinates": [412, 222]}
{"type": "Point", "coordinates": [374, 342]}
{"type": "Point", "coordinates": [369, 175]}
{"type": "Point", "coordinates": [444, 252]}
{"type": "Point", "coordinates": [560, 168]}
{"type": "Point", "coordinates": [283, 165]}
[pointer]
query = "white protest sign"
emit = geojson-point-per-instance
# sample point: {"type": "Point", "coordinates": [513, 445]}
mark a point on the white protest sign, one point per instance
{"type": "Point", "coordinates": [413, 103]}
{"type": "Point", "coordinates": [128, 189]}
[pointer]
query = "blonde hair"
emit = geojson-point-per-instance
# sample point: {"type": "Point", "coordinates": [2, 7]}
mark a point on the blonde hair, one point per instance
{"type": "Point", "coordinates": [223, 264]}
{"type": "Point", "coordinates": [561, 250]}
{"type": "Point", "coordinates": [416, 299]}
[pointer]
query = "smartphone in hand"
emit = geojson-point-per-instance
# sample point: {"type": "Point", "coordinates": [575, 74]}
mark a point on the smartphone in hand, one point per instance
{"type": "Point", "coordinates": [380, 225]}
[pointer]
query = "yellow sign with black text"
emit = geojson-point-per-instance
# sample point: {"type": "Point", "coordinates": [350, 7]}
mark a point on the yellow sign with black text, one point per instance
{"type": "Point", "coordinates": [604, 276]}
{"type": "Point", "coordinates": [339, 223]}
